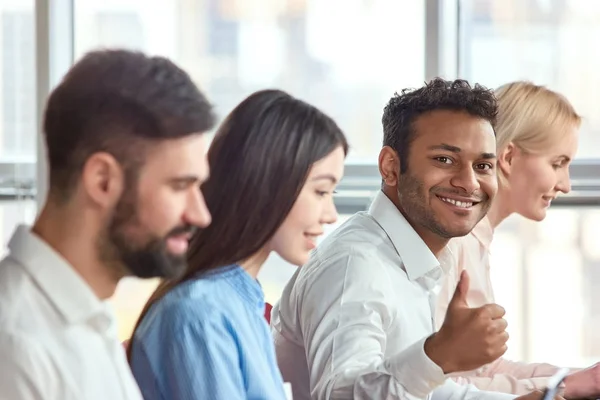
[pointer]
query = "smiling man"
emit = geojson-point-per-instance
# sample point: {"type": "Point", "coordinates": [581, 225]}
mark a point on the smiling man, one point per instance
{"type": "Point", "coordinates": [356, 322]}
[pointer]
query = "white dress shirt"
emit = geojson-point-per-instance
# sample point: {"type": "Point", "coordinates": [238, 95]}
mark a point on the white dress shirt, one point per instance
{"type": "Point", "coordinates": [57, 339]}
{"type": "Point", "coordinates": [351, 324]}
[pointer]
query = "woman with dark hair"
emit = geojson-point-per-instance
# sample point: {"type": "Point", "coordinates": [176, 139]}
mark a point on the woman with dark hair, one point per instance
{"type": "Point", "coordinates": [274, 164]}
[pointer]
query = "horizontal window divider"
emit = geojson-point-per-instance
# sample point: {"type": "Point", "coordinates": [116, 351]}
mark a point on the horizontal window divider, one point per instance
{"type": "Point", "coordinates": [362, 181]}
{"type": "Point", "coordinates": [354, 193]}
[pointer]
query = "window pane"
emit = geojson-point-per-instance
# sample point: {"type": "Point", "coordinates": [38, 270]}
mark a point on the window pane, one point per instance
{"type": "Point", "coordinates": [17, 82]}
{"type": "Point", "coordinates": [546, 274]}
{"type": "Point", "coordinates": [17, 114]}
{"type": "Point", "coordinates": [349, 65]}
{"type": "Point", "coordinates": [550, 42]}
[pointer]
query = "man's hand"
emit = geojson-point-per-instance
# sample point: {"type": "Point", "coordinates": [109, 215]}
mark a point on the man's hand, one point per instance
{"type": "Point", "coordinates": [536, 395]}
{"type": "Point", "coordinates": [583, 384]}
{"type": "Point", "coordinates": [469, 337]}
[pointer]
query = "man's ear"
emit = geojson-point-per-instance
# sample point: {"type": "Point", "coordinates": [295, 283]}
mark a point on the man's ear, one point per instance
{"type": "Point", "coordinates": [506, 158]}
{"type": "Point", "coordinates": [103, 180]}
{"type": "Point", "coordinates": [389, 166]}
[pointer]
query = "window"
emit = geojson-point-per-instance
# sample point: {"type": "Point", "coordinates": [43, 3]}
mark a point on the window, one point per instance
{"type": "Point", "coordinates": [232, 48]}
{"type": "Point", "coordinates": [545, 274]}
{"type": "Point", "coordinates": [17, 79]}
{"type": "Point", "coordinates": [17, 114]}
{"type": "Point", "coordinates": [552, 42]}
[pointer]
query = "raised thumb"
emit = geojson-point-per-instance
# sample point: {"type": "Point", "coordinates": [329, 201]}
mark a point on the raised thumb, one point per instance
{"type": "Point", "coordinates": [462, 289]}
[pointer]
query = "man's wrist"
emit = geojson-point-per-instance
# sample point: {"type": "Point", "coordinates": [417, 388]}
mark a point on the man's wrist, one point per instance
{"type": "Point", "coordinates": [436, 349]}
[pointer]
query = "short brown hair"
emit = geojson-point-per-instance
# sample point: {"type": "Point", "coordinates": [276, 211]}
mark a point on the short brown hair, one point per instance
{"type": "Point", "coordinates": [116, 101]}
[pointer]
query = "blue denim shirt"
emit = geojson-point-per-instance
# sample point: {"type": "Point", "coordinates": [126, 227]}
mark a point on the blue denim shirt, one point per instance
{"type": "Point", "coordinates": [208, 339]}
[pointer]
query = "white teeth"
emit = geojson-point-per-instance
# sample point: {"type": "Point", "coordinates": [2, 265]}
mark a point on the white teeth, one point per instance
{"type": "Point", "coordinates": [461, 204]}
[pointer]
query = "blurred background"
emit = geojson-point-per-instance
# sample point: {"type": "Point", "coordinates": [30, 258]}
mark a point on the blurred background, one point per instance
{"type": "Point", "coordinates": [348, 57]}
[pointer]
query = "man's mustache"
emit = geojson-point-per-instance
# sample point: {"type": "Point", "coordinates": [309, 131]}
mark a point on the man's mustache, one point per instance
{"type": "Point", "coordinates": [476, 197]}
{"type": "Point", "coordinates": [182, 230]}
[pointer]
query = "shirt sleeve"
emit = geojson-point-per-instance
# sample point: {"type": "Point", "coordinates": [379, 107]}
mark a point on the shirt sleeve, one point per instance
{"type": "Point", "coordinates": [24, 373]}
{"type": "Point", "coordinates": [196, 359]}
{"type": "Point", "coordinates": [510, 377]}
{"type": "Point", "coordinates": [451, 390]}
{"type": "Point", "coordinates": [345, 312]}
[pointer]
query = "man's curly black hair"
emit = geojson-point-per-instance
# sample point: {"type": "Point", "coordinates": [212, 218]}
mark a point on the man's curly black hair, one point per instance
{"type": "Point", "coordinates": [403, 109]}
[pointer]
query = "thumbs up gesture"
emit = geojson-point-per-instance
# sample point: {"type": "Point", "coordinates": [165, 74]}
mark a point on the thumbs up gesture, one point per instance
{"type": "Point", "coordinates": [469, 337]}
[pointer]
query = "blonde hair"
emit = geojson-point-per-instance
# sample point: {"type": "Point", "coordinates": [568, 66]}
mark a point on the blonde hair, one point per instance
{"type": "Point", "coordinates": [532, 117]}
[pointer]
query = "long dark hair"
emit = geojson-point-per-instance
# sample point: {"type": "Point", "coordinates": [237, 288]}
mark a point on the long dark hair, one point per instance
{"type": "Point", "coordinates": [259, 161]}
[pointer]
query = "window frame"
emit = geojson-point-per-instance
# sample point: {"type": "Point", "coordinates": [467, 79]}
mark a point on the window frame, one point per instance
{"type": "Point", "coordinates": [55, 53]}
{"type": "Point", "coordinates": [362, 180]}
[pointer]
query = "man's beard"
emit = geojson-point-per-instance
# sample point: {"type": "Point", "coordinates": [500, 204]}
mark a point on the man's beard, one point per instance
{"type": "Point", "coordinates": [418, 211]}
{"type": "Point", "coordinates": [130, 251]}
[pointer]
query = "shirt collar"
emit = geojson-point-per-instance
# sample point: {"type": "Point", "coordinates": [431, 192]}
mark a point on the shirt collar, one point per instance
{"type": "Point", "coordinates": [484, 232]}
{"type": "Point", "coordinates": [416, 256]}
{"type": "Point", "coordinates": [61, 284]}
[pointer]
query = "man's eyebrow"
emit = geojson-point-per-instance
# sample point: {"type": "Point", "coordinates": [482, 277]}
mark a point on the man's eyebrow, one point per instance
{"type": "Point", "coordinates": [457, 150]}
{"type": "Point", "coordinates": [444, 146]}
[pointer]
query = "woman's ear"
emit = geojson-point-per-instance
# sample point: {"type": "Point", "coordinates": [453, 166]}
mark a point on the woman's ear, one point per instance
{"type": "Point", "coordinates": [506, 158]}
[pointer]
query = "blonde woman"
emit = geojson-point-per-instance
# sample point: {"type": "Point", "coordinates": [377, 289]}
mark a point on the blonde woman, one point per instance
{"type": "Point", "coordinates": [537, 135]}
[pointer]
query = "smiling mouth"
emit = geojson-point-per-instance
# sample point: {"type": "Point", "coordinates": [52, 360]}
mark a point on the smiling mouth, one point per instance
{"type": "Point", "coordinates": [460, 204]}
{"type": "Point", "coordinates": [548, 199]}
